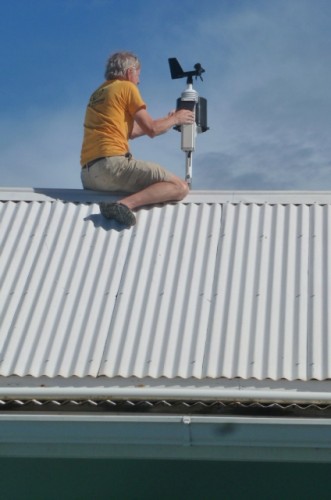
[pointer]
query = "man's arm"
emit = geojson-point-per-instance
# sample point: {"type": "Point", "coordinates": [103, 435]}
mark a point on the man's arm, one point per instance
{"type": "Point", "coordinates": [137, 131]}
{"type": "Point", "coordinates": [145, 125]}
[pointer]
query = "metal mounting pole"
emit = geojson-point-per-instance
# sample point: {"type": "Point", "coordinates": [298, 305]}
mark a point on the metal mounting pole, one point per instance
{"type": "Point", "coordinates": [188, 175]}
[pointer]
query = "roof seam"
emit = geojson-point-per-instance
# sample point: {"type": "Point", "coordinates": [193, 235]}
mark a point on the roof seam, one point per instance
{"type": "Point", "coordinates": [213, 289]}
{"type": "Point", "coordinates": [113, 315]}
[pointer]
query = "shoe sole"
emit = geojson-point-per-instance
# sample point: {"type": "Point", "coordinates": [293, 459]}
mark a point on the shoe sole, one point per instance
{"type": "Point", "coordinates": [118, 212]}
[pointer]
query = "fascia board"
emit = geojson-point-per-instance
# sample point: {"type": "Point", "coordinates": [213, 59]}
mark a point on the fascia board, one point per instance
{"type": "Point", "coordinates": [165, 437]}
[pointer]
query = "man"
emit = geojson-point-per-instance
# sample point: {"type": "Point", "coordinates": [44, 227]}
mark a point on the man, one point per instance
{"type": "Point", "coordinates": [116, 113]}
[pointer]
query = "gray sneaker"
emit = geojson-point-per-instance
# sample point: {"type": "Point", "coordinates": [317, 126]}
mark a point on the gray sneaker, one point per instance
{"type": "Point", "coordinates": [117, 211]}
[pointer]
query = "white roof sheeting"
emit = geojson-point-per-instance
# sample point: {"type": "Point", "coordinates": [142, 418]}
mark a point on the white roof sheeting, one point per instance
{"type": "Point", "coordinates": [210, 289]}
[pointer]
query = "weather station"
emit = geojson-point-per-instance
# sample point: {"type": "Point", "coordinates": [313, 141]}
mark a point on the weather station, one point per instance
{"type": "Point", "coordinates": [191, 100]}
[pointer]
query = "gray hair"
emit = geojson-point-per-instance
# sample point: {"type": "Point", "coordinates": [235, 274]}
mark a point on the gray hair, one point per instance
{"type": "Point", "coordinates": [119, 63]}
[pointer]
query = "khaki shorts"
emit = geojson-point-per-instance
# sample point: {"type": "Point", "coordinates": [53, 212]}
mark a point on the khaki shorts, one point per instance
{"type": "Point", "coordinates": [121, 173]}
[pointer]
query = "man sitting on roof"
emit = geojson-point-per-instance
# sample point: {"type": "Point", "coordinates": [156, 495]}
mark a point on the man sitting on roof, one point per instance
{"type": "Point", "coordinates": [116, 113]}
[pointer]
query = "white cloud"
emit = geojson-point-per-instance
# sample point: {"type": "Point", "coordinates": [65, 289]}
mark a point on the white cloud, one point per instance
{"type": "Point", "coordinates": [269, 104]}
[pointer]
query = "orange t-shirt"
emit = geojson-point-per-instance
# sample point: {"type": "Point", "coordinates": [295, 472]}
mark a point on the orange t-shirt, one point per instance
{"type": "Point", "coordinates": [109, 119]}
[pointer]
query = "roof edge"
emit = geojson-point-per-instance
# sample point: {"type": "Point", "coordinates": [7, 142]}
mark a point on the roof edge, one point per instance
{"type": "Point", "coordinates": [196, 196]}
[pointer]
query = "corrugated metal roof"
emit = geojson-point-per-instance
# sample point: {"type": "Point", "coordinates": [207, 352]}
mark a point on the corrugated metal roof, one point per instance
{"type": "Point", "coordinates": [210, 289]}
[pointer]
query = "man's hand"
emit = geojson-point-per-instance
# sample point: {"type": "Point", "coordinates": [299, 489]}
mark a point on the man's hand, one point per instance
{"type": "Point", "coordinates": [183, 117]}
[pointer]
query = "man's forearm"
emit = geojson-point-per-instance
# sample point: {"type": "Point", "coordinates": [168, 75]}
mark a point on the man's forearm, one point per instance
{"type": "Point", "coordinates": [144, 124]}
{"type": "Point", "coordinates": [153, 128]}
{"type": "Point", "coordinates": [157, 127]}
{"type": "Point", "coordinates": [162, 125]}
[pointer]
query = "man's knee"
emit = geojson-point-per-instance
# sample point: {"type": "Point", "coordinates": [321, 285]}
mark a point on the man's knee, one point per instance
{"type": "Point", "coordinates": [182, 189]}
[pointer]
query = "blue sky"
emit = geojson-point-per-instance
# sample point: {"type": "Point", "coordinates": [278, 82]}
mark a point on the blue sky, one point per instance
{"type": "Point", "coordinates": [267, 82]}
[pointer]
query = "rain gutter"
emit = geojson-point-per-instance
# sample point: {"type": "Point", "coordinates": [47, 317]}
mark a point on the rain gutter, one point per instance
{"type": "Point", "coordinates": [143, 392]}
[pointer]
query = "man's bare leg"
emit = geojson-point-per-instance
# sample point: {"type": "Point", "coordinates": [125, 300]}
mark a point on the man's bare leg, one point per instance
{"type": "Point", "coordinates": [160, 192]}
{"type": "Point", "coordinates": [173, 190]}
